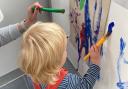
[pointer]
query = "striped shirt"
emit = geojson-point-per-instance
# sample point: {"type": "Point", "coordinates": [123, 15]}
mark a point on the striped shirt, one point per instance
{"type": "Point", "coordinates": [73, 81]}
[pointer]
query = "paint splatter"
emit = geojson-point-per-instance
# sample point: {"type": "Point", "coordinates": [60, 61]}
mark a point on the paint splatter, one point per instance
{"type": "Point", "coordinates": [121, 84]}
{"type": "Point", "coordinates": [74, 19]}
{"type": "Point", "coordinates": [95, 7]}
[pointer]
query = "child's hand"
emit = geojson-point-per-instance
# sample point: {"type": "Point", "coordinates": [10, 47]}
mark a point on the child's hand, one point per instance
{"type": "Point", "coordinates": [95, 55]}
{"type": "Point", "coordinates": [32, 16]}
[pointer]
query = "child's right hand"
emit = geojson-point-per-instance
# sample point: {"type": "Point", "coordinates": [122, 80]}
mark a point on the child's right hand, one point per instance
{"type": "Point", "coordinates": [95, 55]}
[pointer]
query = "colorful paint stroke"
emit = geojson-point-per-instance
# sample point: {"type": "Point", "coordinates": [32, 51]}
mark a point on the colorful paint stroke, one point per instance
{"type": "Point", "coordinates": [92, 32]}
{"type": "Point", "coordinates": [86, 38]}
{"type": "Point", "coordinates": [121, 84]}
{"type": "Point", "coordinates": [74, 19]}
{"type": "Point", "coordinates": [86, 25]}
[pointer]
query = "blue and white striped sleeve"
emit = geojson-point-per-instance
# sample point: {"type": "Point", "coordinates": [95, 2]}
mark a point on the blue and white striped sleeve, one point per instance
{"type": "Point", "coordinates": [85, 82]}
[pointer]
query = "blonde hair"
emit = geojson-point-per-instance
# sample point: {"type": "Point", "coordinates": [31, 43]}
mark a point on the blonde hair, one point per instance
{"type": "Point", "coordinates": [43, 45]}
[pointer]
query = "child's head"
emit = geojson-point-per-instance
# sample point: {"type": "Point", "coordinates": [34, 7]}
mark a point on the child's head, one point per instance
{"type": "Point", "coordinates": [43, 51]}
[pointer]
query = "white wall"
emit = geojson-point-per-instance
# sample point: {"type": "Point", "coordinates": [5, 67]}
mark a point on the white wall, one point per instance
{"type": "Point", "coordinates": [14, 11]}
{"type": "Point", "coordinates": [123, 3]}
{"type": "Point", "coordinates": [61, 19]}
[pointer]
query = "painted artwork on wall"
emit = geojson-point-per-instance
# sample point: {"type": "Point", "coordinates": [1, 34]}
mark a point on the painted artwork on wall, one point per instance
{"type": "Point", "coordinates": [88, 22]}
{"type": "Point", "coordinates": [114, 62]}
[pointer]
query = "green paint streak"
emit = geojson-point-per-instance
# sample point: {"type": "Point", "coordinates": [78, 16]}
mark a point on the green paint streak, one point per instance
{"type": "Point", "coordinates": [82, 3]}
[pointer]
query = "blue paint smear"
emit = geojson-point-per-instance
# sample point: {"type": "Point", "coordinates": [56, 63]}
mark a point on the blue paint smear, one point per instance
{"type": "Point", "coordinates": [88, 33]}
{"type": "Point", "coordinates": [120, 83]}
{"type": "Point", "coordinates": [122, 46]}
{"type": "Point", "coordinates": [95, 7]}
{"type": "Point", "coordinates": [88, 42]}
{"type": "Point", "coordinates": [125, 61]}
{"type": "Point", "coordinates": [96, 31]}
{"type": "Point", "coordinates": [98, 21]}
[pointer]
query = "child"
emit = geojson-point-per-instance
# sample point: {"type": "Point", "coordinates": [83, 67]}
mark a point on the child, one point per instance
{"type": "Point", "coordinates": [43, 55]}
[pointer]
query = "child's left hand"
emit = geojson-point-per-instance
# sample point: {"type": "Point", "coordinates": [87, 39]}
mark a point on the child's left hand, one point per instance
{"type": "Point", "coordinates": [32, 16]}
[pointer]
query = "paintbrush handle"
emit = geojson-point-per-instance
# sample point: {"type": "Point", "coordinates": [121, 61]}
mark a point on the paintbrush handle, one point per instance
{"type": "Point", "coordinates": [55, 10]}
{"type": "Point", "coordinates": [99, 43]}
{"type": "Point", "coordinates": [87, 56]}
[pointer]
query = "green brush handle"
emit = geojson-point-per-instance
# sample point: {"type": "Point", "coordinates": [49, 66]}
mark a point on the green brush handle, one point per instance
{"type": "Point", "coordinates": [51, 10]}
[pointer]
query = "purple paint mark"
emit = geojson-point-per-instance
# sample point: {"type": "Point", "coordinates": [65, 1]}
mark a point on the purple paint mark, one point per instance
{"type": "Point", "coordinates": [77, 2]}
{"type": "Point", "coordinates": [74, 19]}
{"type": "Point", "coordinates": [120, 83]}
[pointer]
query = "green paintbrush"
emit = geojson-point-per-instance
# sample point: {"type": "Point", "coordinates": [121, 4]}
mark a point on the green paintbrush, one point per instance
{"type": "Point", "coordinates": [55, 10]}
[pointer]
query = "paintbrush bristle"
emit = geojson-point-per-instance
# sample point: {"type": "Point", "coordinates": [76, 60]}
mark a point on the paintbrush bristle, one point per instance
{"type": "Point", "coordinates": [111, 25]}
